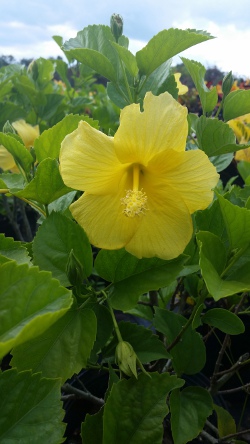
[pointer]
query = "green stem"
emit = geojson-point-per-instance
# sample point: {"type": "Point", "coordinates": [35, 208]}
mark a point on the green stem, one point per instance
{"type": "Point", "coordinates": [188, 323]}
{"type": "Point", "coordinates": [118, 333]}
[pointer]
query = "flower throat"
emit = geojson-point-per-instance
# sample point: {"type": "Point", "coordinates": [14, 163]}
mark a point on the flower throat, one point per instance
{"type": "Point", "coordinates": [135, 200]}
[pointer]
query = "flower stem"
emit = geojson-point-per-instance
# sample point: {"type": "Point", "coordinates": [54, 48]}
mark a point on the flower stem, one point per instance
{"type": "Point", "coordinates": [118, 333]}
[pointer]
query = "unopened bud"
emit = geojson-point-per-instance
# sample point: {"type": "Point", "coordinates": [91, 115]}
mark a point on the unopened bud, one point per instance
{"type": "Point", "coordinates": [74, 270]}
{"type": "Point", "coordinates": [8, 128]}
{"type": "Point", "coordinates": [126, 358]}
{"type": "Point", "coordinates": [116, 25]}
{"type": "Point", "coordinates": [32, 70]}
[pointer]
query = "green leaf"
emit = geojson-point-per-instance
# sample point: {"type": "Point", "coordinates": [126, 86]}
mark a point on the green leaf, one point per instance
{"type": "Point", "coordinates": [30, 301]}
{"type": "Point", "coordinates": [12, 250]}
{"type": "Point", "coordinates": [104, 328]}
{"type": "Point", "coordinates": [237, 221]}
{"type": "Point", "coordinates": [212, 263]}
{"type": "Point", "coordinates": [146, 345]}
{"type": "Point", "coordinates": [197, 71]}
{"type": "Point", "coordinates": [53, 243]}
{"type": "Point", "coordinates": [93, 47]}
{"type": "Point", "coordinates": [211, 220]}
{"type": "Point", "coordinates": [236, 104]}
{"type": "Point", "coordinates": [45, 71]}
{"type": "Point", "coordinates": [12, 180]}
{"type": "Point", "coordinates": [189, 354]}
{"type": "Point", "coordinates": [221, 162]}
{"type": "Point", "coordinates": [226, 423]}
{"type": "Point", "coordinates": [92, 428]}
{"type": "Point", "coordinates": [160, 81]}
{"type": "Point", "coordinates": [21, 155]}
{"type": "Point", "coordinates": [49, 142]}
{"type": "Point", "coordinates": [135, 409]}
{"type": "Point", "coordinates": [62, 350]}
{"type": "Point", "coordinates": [32, 409]}
{"type": "Point", "coordinates": [48, 108]}
{"type": "Point", "coordinates": [165, 45]}
{"type": "Point", "coordinates": [132, 277]}
{"type": "Point", "coordinates": [11, 111]}
{"type": "Point", "coordinates": [244, 169]}
{"type": "Point", "coordinates": [224, 320]}
{"type": "Point", "coordinates": [96, 61]}
{"type": "Point", "coordinates": [189, 411]}
{"type": "Point", "coordinates": [47, 184]}
{"type": "Point", "coordinates": [127, 58]}
{"type": "Point", "coordinates": [215, 137]}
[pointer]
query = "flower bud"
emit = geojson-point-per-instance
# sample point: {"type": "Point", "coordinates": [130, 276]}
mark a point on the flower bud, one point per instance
{"type": "Point", "coordinates": [74, 270]}
{"type": "Point", "coordinates": [116, 25]}
{"type": "Point", "coordinates": [126, 358]}
{"type": "Point", "coordinates": [8, 128]}
{"type": "Point", "coordinates": [32, 70]}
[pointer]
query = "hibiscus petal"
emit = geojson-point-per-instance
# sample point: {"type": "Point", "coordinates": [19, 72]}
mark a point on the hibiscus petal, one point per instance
{"type": "Point", "coordinates": [103, 220]}
{"type": "Point", "coordinates": [190, 173]}
{"type": "Point", "coordinates": [161, 126]}
{"type": "Point", "coordinates": [166, 228]}
{"type": "Point", "coordinates": [88, 161]}
{"type": "Point", "coordinates": [7, 161]}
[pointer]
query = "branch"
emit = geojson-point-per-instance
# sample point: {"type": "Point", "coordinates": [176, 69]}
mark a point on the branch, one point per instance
{"type": "Point", "coordinates": [67, 388]}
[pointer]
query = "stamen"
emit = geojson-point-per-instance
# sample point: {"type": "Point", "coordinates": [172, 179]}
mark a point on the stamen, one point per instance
{"type": "Point", "coordinates": [135, 203]}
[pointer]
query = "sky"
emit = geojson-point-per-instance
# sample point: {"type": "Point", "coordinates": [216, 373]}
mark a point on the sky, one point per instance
{"type": "Point", "coordinates": [27, 26]}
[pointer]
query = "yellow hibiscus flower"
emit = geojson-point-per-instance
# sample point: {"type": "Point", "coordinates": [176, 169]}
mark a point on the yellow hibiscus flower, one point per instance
{"type": "Point", "coordinates": [28, 134]}
{"type": "Point", "coordinates": [141, 186]}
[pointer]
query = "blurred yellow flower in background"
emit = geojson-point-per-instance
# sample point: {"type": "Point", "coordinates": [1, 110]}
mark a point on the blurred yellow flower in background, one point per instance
{"type": "Point", "coordinates": [241, 128]}
{"type": "Point", "coordinates": [141, 186]}
{"type": "Point", "coordinates": [28, 134]}
{"type": "Point", "coordinates": [183, 89]}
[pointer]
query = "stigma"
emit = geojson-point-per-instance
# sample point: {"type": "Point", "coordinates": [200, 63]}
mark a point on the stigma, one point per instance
{"type": "Point", "coordinates": [135, 203]}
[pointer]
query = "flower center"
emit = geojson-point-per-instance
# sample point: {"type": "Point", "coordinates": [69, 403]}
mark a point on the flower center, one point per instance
{"type": "Point", "coordinates": [135, 200]}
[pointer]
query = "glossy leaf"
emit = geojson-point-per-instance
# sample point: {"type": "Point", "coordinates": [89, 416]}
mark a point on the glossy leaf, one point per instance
{"type": "Point", "coordinates": [62, 350]}
{"type": "Point", "coordinates": [212, 220]}
{"type": "Point", "coordinates": [224, 320]}
{"type": "Point", "coordinates": [236, 104]}
{"type": "Point", "coordinates": [226, 423]}
{"type": "Point", "coordinates": [189, 354]}
{"type": "Point", "coordinates": [135, 409]}
{"type": "Point", "coordinates": [208, 97]}
{"type": "Point", "coordinates": [165, 45]}
{"type": "Point", "coordinates": [189, 411]}
{"type": "Point", "coordinates": [237, 222]}
{"type": "Point", "coordinates": [213, 262]}
{"type": "Point", "coordinates": [47, 184]}
{"type": "Point", "coordinates": [21, 155]}
{"type": "Point", "coordinates": [12, 181]}
{"type": "Point", "coordinates": [146, 345]}
{"type": "Point", "coordinates": [31, 409]}
{"type": "Point", "coordinates": [55, 239]}
{"type": "Point", "coordinates": [49, 142]}
{"type": "Point", "coordinates": [30, 302]}
{"type": "Point", "coordinates": [132, 276]}
{"type": "Point", "coordinates": [127, 58]}
{"type": "Point", "coordinates": [92, 428]}
{"type": "Point", "coordinates": [244, 169]}
{"type": "Point", "coordinates": [215, 137]}
{"type": "Point", "coordinates": [12, 250]}
{"type": "Point", "coordinates": [93, 47]}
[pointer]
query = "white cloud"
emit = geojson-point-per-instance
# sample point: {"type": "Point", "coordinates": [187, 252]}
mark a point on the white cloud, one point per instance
{"type": "Point", "coordinates": [228, 51]}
